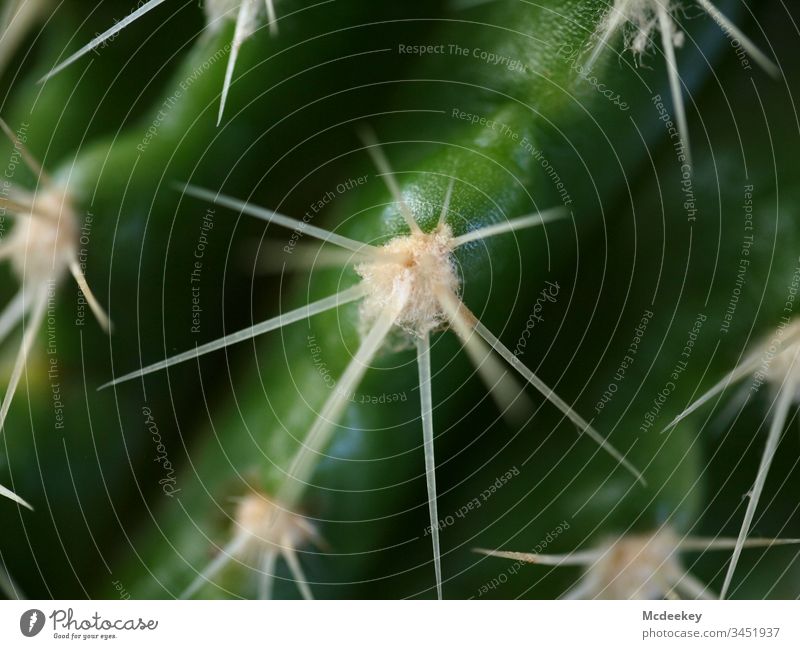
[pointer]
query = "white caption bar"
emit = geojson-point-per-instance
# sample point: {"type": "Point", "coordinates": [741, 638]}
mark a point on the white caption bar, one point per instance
{"type": "Point", "coordinates": [400, 624]}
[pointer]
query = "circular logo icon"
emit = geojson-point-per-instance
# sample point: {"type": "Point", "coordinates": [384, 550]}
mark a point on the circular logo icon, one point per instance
{"type": "Point", "coordinates": [31, 622]}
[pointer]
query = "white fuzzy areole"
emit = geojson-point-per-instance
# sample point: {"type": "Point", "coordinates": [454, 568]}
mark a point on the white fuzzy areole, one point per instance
{"type": "Point", "coordinates": [44, 242]}
{"type": "Point", "coordinates": [265, 526]}
{"type": "Point", "coordinates": [420, 261]}
{"type": "Point", "coordinates": [637, 566]}
{"type": "Point", "coordinates": [640, 19]}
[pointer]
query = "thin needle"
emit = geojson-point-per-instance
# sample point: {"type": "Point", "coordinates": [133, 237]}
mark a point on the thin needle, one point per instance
{"type": "Point", "coordinates": [94, 305]}
{"type": "Point", "coordinates": [290, 555]}
{"type": "Point", "coordinates": [268, 559]}
{"type": "Point", "coordinates": [748, 366]}
{"type": "Point", "coordinates": [12, 496]}
{"type": "Point", "coordinates": [446, 204]}
{"type": "Point", "coordinates": [12, 314]}
{"type": "Point", "coordinates": [571, 559]}
{"type": "Point", "coordinates": [273, 19]}
{"type": "Point", "coordinates": [532, 220]}
{"type": "Point", "coordinates": [426, 403]}
{"type": "Point", "coordinates": [301, 313]}
{"type": "Point", "coordinates": [382, 163]}
{"type": "Point", "coordinates": [787, 395]}
{"type": "Point", "coordinates": [701, 544]}
{"type": "Point", "coordinates": [99, 40]}
{"type": "Point", "coordinates": [548, 393]}
{"type": "Point", "coordinates": [243, 31]}
{"type": "Point", "coordinates": [318, 436]}
{"type": "Point", "coordinates": [226, 554]}
{"type": "Point", "coordinates": [503, 387]}
{"type": "Point", "coordinates": [28, 338]}
{"type": "Point", "coordinates": [692, 587]}
{"type": "Point", "coordinates": [738, 35]}
{"type": "Point", "coordinates": [666, 27]}
{"type": "Point", "coordinates": [278, 219]}
{"type": "Point", "coordinates": [33, 164]}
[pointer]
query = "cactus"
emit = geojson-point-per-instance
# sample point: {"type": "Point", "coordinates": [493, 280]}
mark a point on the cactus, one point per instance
{"type": "Point", "coordinates": [433, 298]}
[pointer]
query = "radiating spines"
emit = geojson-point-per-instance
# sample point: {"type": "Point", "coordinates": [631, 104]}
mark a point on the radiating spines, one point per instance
{"type": "Point", "coordinates": [42, 249]}
{"type": "Point", "coordinates": [639, 20]}
{"type": "Point", "coordinates": [262, 532]}
{"type": "Point", "coordinates": [637, 566]}
{"type": "Point", "coordinates": [408, 286]}
{"type": "Point", "coordinates": [775, 362]}
{"type": "Point", "coordinates": [247, 15]}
